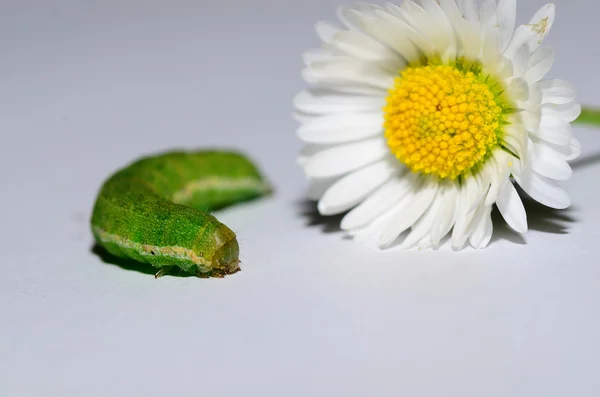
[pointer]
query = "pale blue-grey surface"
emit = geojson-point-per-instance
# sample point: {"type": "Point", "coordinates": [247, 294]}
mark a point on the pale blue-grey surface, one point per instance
{"type": "Point", "coordinates": [87, 86]}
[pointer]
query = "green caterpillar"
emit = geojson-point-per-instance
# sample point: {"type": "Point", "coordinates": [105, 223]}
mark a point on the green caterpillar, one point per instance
{"type": "Point", "coordinates": [153, 211]}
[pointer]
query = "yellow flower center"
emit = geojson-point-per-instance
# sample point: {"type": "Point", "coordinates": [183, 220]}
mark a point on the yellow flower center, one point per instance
{"type": "Point", "coordinates": [444, 120]}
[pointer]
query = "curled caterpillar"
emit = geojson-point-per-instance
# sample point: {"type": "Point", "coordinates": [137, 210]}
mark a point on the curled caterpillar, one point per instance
{"type": "Point", "coordinates": [156, 210]}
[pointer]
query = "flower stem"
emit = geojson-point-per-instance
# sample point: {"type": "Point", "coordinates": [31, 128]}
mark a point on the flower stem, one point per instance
{"type": "Point", "coordinates": [589, 116]}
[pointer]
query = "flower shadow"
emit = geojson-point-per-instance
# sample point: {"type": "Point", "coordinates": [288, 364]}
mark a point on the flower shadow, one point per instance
{"type": "Point", "coordinates": [131, 265]}
{"type": "Point", "coordinates": [585, 162]}
{"type": "Point", "coordinates": [539, 218]}
{"type": "Point", "coordinates": [308, 210]}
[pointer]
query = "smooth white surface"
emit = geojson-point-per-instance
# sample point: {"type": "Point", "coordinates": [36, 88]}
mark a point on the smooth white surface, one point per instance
{"type": "Point", "coordinates": [87, 86]}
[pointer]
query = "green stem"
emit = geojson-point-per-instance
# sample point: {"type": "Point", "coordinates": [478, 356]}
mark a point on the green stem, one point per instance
{"type": "Point", "coordinates": [589, 116]}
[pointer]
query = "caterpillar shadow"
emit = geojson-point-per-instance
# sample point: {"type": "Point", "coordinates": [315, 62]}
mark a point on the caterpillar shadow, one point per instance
{"type": "Point", "coordinates": [131, 265]}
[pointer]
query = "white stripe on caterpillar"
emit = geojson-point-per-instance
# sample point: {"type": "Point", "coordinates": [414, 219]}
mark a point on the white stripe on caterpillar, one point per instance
{"type": "Point", "coordinates": [209, 183]}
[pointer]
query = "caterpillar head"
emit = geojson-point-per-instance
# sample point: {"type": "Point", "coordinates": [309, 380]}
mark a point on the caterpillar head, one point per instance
{"type": "Point", "coordinates": [222, 253]}
{"type": "Point", "coordinates": [226, 258]}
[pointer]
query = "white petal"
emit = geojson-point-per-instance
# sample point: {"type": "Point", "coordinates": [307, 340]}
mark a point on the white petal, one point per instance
{"type": "Point", "coordinates": [480, 236]}
{"type": "Point", "coordinates": [470, 12]}
{"type": "Point", "coordinates": [570, 151]}
{"type": "Point", "coordinates": [345, 158]}
{"type": "Point", "coordinates": [351, 16]}
{"type": "Point", "coordinates": [341, 86]}
{"type": "Point", "coordinates": [420, 41]}
{"type": "Point", "coordinates": [490, 48]}
{"type": "Point", "coordinates": [446, 214]}
{"type": "Point", "coordinates": [556, 91]}
{"type": "Point", "coordinates": [507, 16]}
{"type": "Point", "coordinates": [484, 181]}
{"type": "Point", "coordinates": [392, 32]}
{"type": "Point", "coordinates": [499, 173]}
{"type": "Point", "coordinates": [503, 68]}
{"type": "Point", "coordinates": [381, 201]}
{"type": "Point", "coordinates": [535, 99]}
{"type": "Point", "coordinates": [370, 233]}
{"type": "Point", "coordinates": [362, 47]}
{"type": "Point", "coordinates": [568, 111]}
{"type": "Point", "coordinates": [518, 89]}
{"type": "Point", "coordinates": [490, 55]}
{"type": "Point", "coordinates": [489, 231]}
{"type": "Point", "coordinates": [309, 151]}
{"type": "Point", "coordinates": [468, 34]}
{"type": "Point", "coordinates": [349, 72]}
{"type": "Point", "coordinates": [469, 193]}
{"type": "Point", "coordinates": [431, 22]}
{"type": "Point", "coordinates": [540, 64]}
{"type": "Point", "coordinates": [515, 139]}
{"type": "Point", "coordinates": [543, 20]}
{"type": "Point", "coordinates": [353, 188]}
{"type": "Point", "coordinates": [425, 243]}
{"type": "Point", "coordinates": [302, 118]}
{"type": "Point", "coordinates": [488, 13]}
{"type": "Point", "coordinates": [575, 147]}
{"type": "Point", "coordinates": [521, 61]}
{"type": "Point", "coordinates": [531, 119]}
{"type": "Point", "coordinates": [533, 33]}
{"type": "Point", "coordinates": [549, 163]}
{"type": "Point", "coordinates": [405, 217]}
{"type": "Point", "coordinates": [318, 187]}
{"type": "Point", "coordinates": [511, 207]}
{"type": "Point", "coordinates": [542, 189]}
{"type": "Point", "coordinates": [319, 102]}
{"type": "Point", "coordinates": [555, 130]}
{"type": "Point", "coordinates": [438, 220]}
{"type": "Point", "coordinates": [341, 127]}
{"type": "Point", "coordinates": [424, 226]}
{"type": "Point", "coordinates": [326, 30]}
{"type": "Point", "coordinates": [316, 55]}
{"type": "Point", "coordinates": [434, 8]}
{"type": "Point", "coordinates": [367, 235]}
{"type": "Point", "coordinates": [341, 13]}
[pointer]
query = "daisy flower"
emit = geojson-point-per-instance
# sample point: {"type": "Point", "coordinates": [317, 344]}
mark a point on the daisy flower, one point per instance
{"type": "Point", "coordinates": [422, 115]}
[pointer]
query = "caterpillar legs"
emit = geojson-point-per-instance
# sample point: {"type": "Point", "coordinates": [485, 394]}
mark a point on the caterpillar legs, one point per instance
{"type": "Point", "coordinates": [233, 267]}
{"type": "Point", "coordinates": [161, 272]}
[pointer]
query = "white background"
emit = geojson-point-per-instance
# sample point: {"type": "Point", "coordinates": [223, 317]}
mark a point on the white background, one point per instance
{"type": "Point", "coordinates": [88, 86]}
